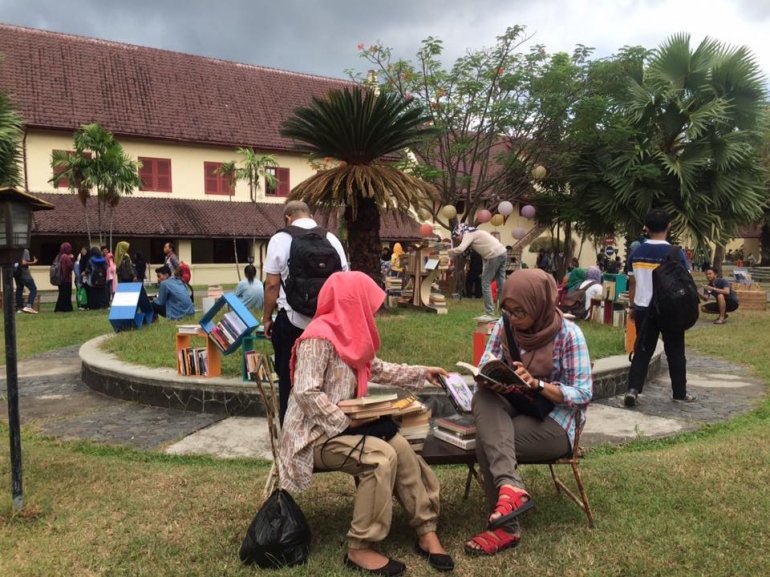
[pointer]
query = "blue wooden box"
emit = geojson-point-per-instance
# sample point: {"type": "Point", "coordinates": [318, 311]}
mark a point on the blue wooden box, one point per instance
{"type": "Point", "coordinates": [131, 307]}
{"type": "Point", "coordinates": [207, 322]}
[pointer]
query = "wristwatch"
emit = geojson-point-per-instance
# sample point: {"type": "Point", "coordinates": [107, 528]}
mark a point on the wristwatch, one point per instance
{"type": "Point", "coordinates": [540, 386]}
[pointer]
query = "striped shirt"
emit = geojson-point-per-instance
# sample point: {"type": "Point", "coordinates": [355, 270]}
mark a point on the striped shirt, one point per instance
{"type": "Point", "coordinates": [643, 261]}
{"type": "Point", "coordinates": [571, 371]}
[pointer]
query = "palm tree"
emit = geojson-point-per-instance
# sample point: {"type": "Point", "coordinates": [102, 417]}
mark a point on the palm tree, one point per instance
{"type": "Point", "coordinates": [229, 170]}
{"type": "Point", "coordinates": [10, 139]}
{"type": "Point", "coordinates": [361, 130]}
{"type": "Point", "coordinates": [692, 147]}
{"type": "Point", "coordinates": [100, 162]}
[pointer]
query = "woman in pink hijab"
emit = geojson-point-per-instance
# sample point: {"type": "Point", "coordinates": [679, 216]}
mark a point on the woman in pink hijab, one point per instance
{"type": "Point", "coordinates": [334, 360]}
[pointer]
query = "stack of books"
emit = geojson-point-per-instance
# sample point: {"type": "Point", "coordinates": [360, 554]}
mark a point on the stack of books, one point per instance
{"type": "Point", "coordinates": [227, 331]}
{"type": "Point", "coordinates": [393, 283]}
{"type": "Point", "coordinates": [414, 427]}
{"type": "Point", "coordinates": [457, 430]}
{"type": "Point", "coordinates": [394, 404]}
{"type": "Point", "coordinates": [253, 361]}
{"type": "Point", "coordinates": [188, 329]}
{"type": "Point", "coordinates": [193, 362]}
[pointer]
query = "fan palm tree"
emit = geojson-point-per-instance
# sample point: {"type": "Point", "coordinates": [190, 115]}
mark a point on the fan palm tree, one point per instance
{"type": "Point", "coordinates": [361, 130]}
{"type": "Point", "coordinates": [10, 139]}
{"type": "Point", "coordinates": [693, 117]}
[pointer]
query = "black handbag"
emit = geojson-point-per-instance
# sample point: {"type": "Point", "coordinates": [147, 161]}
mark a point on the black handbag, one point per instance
{"type": "Point", "coordinates": [384, 428]}
{"type": "Point", "coordinates": [525, 401]}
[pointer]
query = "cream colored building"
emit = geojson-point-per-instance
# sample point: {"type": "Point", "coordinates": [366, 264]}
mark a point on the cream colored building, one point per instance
{"type": "Point", "coordinates": [181, 116]}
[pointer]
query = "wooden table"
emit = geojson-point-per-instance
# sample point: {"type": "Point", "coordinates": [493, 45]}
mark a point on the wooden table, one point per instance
{"type": "Point", "coordinates": [437, 452]}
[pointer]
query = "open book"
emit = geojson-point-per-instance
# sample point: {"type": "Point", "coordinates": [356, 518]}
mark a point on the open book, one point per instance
{"type": "Point", "coordinates": [496, 372]}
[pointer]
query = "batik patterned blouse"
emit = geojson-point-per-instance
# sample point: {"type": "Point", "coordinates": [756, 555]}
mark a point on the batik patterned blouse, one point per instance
{"type": "Point", "coordinates": [321, 380]}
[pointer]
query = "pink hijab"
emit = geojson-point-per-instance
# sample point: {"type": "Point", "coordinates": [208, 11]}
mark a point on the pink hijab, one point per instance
{"type": "Point", "coordinates": [345, 317]}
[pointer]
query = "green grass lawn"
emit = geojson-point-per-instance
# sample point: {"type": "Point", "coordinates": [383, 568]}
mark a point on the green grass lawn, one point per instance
{"type": "Point", "coordinates": [694, 504]}
{"type": "Point", "coordinates": [408, 336]}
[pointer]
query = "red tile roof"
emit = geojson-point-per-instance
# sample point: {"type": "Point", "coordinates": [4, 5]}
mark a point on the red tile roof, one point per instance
{"type": "Point", "coordinates": [60, 81]}
{"type": "Point", "coordinates": [137, 216]}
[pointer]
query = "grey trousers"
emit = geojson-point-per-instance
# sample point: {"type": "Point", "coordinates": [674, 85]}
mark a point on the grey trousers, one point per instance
{"type": "Point", "coordinates": [494, 269]}
{"type": "Point", "coordinates": [505, 438]}
{"type": "Point", "coordinates": [384, 469]}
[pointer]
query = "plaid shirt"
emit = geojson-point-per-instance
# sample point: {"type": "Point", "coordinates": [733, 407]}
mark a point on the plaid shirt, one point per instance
{"type": "Point", "coordinates": [571, 371]}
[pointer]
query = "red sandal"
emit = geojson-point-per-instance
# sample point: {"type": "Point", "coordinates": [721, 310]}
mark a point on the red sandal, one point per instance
{"type": "Point", "coordinates": [510, 506]}
{"type": "Point", "coordinates": [492, 542]}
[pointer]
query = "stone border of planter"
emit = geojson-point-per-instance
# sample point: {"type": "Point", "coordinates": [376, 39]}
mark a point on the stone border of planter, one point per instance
{"type": "Point", "coordinates": [105, 373]}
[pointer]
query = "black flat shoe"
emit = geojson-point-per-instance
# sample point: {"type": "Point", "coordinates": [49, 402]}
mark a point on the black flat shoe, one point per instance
{"type": "Point", "coordinates": [439, 561]}
{"type": "Point", "coordinates": [392, 568]}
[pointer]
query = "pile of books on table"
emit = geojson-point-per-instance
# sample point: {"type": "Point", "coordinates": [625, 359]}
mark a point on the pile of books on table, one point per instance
{"type": "Point", "coordinates": [457, 430]}
{"type": "Point", "coordinates": [228, 330]}
{"type": "Point", "coordinates": [415, 426]}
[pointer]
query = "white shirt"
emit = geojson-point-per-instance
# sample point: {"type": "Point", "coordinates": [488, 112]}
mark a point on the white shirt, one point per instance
{"type": "Point", "coordinates": [481, 242]}
{"type": "Point", "coordinates": [277, 262]}
{"type": "Point", "coordinates": [592, 292]}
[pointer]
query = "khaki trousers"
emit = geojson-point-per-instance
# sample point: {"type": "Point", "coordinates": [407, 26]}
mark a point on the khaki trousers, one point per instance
{"type": "Point", "coordinates": [384, 469]}
{"type": "Point", "coordinates": [504, 437]}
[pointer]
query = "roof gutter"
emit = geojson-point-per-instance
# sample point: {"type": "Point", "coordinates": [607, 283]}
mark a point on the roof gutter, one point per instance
{"type": "Point", "coordinates": [24, 158]}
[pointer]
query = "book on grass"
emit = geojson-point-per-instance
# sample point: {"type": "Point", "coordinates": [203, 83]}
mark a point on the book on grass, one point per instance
{"type": "Point", "coordinates": [459, 425]}
{"type": "Point", "coordinates": [465, 444]}
{"type": "Point", "coordinates": [458, 391]}
{"type": "Point", "coordinates": [496, 372]}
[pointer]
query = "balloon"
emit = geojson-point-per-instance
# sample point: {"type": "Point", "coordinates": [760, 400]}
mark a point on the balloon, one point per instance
{"type": "Point", "coordinates": [505, 208]}
{"type": "Point", "coordinates": [497, 220]}
{"type": "Point", "coordinates": [424, 214]}
{"type": "Point", "coordinates": [483, 216]}
{"type": "Point", "coordinates": [518, 233]}
{"type": "Point", "coordinates": [528, 211]}
{"type": "Point", "coordinates": [539, 172]}
{"type": "Point", "coordinates": [426, 229]}
{"type": "Point", "coordinates": [449, 212]}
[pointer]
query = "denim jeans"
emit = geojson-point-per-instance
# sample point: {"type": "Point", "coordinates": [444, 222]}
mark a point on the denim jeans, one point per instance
{"type": "Point", "coordinates": [494, 268]}
{"type": "Point", "coordinates": [283, 335]}
{"type": "Point", "coordinates": [646, 340]}
{"type": "Point", "coordinates": [30, 284]}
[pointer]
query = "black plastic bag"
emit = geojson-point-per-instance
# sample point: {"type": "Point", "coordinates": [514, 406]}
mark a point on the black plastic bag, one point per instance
{"type": "Point", "coordinates": [278, 536]}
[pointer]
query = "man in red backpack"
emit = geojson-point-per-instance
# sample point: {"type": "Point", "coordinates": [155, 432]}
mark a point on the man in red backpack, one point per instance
{"type": "Point", "coordinates": [289, 324]}
{"type": "Point", "coordinates": [644, 260]}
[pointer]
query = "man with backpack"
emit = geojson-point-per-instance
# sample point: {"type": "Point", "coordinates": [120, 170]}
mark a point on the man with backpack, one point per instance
{"type": "Point", "coordinates": [299, 259]}
{"type": "Point", "coordinates": [664, 302]}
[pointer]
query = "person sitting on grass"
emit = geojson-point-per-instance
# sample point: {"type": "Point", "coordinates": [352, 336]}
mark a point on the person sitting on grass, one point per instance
{"type": "Point", "coordinates": [250, 290]}
{"type": "Point", "coordinates": [334, 360]}
{"type": "Point", "coordinates": [527, 424]}
{"type": "Point", "coordinates": [720, 289]}
{"type": "Point", "coordinates": [173, 300]}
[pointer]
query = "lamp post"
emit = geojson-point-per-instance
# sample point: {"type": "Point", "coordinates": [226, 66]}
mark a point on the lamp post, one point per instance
{"type": "Point", "coordinates": [16, 209]}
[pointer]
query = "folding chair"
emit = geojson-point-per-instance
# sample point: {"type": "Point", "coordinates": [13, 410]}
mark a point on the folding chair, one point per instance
{"type": "Point", "coordinates": [573, 461]}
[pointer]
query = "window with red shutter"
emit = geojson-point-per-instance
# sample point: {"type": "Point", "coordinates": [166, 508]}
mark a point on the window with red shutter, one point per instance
{"type": "Point", "coordinates": [155, 174]}
{"type": "Point", "coordinates": [64, 182]}
{"type": "Point", "coordinates": [283, 186]}
{"type": "Point", "coordinates": [214, 183]}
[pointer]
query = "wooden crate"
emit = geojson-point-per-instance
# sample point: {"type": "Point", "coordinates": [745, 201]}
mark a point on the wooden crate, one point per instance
{"type": "Point", "coordinates": [752, 300]}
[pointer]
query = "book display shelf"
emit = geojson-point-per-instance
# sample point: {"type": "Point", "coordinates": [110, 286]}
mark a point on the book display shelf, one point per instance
{"type": "Point", "coordinates": [249, 356]}
{"type": "Point", "coordinates": [228, 333]}
{"type": "Point", "coordinates": [213, 358]}
{"type": "Point", "coordinates": [424, 264]}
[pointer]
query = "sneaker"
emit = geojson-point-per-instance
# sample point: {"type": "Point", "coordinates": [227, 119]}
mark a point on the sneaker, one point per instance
{"type": "Point", "coordinates": [690, 397]}
{"type": "Point", "coordinates": [19, 311]}
{"type": "Point", "coordinates": [29, 310]}
{"type": "Point", "coordinates": [630, 399]}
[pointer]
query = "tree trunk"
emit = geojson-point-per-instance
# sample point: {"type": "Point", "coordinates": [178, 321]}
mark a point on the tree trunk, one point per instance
{"type": "Point", "coordinates": [567, 252]}
{"type": "Point", "coordinates": [764, 246]}
{"type": "Point", "coordinates": [99, 205]}
{"type": "Point", "coordinates": [112, 220]}
{"type": "Point", "coordinates": [88, 224]}
{"type": "Point", "coordinates": [364, 238]}
{"type": "Point", "coordinates": [719, 258]}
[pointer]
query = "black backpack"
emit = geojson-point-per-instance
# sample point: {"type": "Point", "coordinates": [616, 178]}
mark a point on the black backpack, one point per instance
{"type": "Point", "coordinates": [55, 272]}
{"type": "Point", "coordinates": [674, 304]}
{"type": "Point", "coordinates": [126, 270]}
{"type": "Point", "coordinates": [98, 274]}
{"type": "Point", "coordinates": [312, 259]}
{"type": "Point", "coordinates": [574, 302]}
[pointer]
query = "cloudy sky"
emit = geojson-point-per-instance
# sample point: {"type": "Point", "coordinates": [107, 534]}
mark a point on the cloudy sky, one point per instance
{"type": "Point", "coordinates": [321, 36]}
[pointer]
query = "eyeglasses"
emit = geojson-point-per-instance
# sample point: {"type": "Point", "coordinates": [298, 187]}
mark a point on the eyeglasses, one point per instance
{"type": "Point", "coordinates": [517, 313]}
